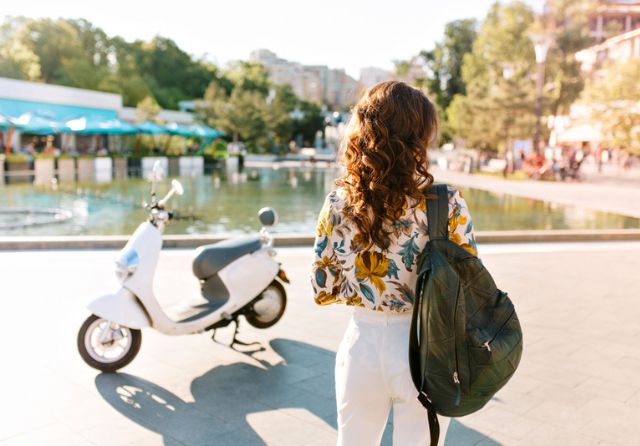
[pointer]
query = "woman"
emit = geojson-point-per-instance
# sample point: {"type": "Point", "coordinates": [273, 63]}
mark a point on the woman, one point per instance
{"type": "Point", "coordinates": [370, 233]}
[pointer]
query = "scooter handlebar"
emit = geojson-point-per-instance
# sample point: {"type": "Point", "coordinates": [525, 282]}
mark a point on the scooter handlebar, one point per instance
{"type": "Point", "coordinates": [176, 188]}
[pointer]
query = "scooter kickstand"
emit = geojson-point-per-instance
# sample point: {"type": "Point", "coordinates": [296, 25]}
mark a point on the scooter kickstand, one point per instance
{"type": "Point", "coordinates": [235, 340]}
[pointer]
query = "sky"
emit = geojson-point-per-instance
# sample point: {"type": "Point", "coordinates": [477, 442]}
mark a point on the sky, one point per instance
{"type": "Point", "coordinates": [348, 34]}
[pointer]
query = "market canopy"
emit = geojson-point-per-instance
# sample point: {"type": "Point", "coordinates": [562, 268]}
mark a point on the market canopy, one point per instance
{"type": "Point", "coordinates": [6, 123]}
{"type": "Point", "coordinates": [95, 125]}
{"type": "Point", "coordinates": [48, 119]}
{"type": "Point", "coordinates": [39, 125]}
{"type": "Point", "coordinates": [205, 132]}
{"type": "Point", "coordinates": [150, 128]}
{"type": "Point", "coordinates": [13, 108]}
{"type": "Point", "coordinates": [177, 129]}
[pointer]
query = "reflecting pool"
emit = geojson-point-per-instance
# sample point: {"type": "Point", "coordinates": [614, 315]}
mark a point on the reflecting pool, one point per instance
{"type": "Point", "coordinates": [228, 203]}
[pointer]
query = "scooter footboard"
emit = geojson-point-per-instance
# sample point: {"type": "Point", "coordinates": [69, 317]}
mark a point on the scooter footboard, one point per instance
{"type": "Point", "coordinates": [122, 308]}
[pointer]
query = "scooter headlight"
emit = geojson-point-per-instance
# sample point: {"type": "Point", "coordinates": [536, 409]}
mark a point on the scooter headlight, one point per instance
{"type": "Point", "coordinates": [127, 264]}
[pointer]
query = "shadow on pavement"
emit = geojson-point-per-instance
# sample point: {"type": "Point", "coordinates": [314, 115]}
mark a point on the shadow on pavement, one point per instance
{"type": "Point", "coordinates": [227, 394]}
{"type": "Point", "coordinates": [460, 435]}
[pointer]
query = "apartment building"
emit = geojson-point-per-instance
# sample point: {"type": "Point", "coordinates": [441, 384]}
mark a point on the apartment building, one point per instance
{"type": "Point", "coordinates": [369, 76]}
{"type": "Point", "coordinates": [620, 48]}
{"type": "Point", "coordinates": [313, 82]}
{"type": "Point", "coordinates": [613, 17]}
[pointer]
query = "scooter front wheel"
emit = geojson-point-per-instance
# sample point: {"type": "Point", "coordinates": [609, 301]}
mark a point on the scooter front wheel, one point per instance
{"type": "Point", "coordinates": [269, 307]}
{"type": "Point", "coordinates": [107, 346]}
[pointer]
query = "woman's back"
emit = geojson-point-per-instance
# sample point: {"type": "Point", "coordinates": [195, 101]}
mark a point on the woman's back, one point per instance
{"type": "Point", "coordinates": [346, 271]}
{"type": "Point", "coordinates": [370, 234]}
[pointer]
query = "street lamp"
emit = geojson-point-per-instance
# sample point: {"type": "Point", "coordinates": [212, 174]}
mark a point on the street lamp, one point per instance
{"type": "Point", "coordinates": [541, 44]}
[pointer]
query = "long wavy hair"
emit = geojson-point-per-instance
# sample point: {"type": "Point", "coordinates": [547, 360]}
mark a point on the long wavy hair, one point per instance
{"type": "Point", "coordinates": [385, 158]}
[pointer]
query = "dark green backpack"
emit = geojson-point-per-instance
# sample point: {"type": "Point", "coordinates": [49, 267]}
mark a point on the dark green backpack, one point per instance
{"type": "Point", "coordinates": [465, 340]}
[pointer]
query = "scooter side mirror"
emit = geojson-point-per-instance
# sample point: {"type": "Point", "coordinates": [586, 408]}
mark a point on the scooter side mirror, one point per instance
{"type": "Point", "coordinates": [268, 216]}
{"type": "Point", "coordinates": [177, 186]}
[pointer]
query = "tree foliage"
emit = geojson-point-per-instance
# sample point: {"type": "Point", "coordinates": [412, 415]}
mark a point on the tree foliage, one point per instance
{"type": "Point", "coordinates": [444, 61]}
{"type": "Point", "coordinates": [614, 98]}
{"type": "Point", "coordinates": [570, 34]}
{"type": "Point", "coordinates": [78, 54]}
{"type": "Point", "coordinates": [498, 105]}
{"type": "Point", "coordinates": [256, 111]}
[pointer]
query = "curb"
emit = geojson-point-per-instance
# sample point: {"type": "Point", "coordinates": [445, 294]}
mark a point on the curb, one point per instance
{"type": "Point", "coordinates": [282, 240]}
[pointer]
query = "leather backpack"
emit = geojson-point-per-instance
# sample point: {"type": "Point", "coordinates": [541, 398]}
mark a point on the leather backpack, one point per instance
{"type": "Point", "coordinates": [466, 340]}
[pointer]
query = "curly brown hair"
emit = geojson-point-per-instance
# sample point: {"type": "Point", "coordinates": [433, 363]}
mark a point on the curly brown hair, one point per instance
{"type": "Point", "coordinates": [385, 158]}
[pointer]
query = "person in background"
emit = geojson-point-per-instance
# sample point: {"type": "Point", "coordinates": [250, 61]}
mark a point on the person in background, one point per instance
{"type": "Point", "coordinates": [370, 233]}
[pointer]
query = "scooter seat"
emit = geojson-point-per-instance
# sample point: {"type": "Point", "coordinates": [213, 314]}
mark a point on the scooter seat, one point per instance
{"type": "Point", "coordinates": [212, 258]}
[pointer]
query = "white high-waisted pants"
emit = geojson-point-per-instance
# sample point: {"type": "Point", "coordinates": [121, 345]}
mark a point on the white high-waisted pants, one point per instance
{"type": "Point", "coordinates": [372, 373]}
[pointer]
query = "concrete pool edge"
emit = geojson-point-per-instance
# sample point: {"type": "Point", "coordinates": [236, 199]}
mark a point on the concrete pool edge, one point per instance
{"type": "Point", "coordinates": [9, 243]}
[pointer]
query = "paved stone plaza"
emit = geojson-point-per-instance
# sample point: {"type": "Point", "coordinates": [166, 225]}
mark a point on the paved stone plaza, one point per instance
{"type": "Point", "coordinates": [577, 384]}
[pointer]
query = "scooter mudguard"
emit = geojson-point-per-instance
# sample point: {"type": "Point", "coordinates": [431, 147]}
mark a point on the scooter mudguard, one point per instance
{"type": "Point", "coordinates": [122, 308]}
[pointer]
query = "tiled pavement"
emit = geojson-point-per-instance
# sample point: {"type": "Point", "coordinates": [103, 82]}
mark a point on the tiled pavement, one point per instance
{"type": "Point", "coordinates": [577, 384]}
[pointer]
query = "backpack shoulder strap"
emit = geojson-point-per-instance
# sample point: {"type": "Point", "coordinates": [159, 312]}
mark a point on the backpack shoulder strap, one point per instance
{"type": "Point", "coordinates": [438, 213]}
{"type": "Point", "coordinates": [438, 226]}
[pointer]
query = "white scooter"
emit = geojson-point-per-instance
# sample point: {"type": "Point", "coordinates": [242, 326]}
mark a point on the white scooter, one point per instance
{"type": "Point", "coordinates": [237, 277]}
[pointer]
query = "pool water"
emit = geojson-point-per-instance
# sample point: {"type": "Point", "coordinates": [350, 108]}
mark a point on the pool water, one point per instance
{"type": "Point", "coordinates": [228, 203]}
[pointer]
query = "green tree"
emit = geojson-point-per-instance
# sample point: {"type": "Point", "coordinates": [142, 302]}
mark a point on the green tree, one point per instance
{"type": "Point", "coordinates": [211, 108]}
{"type": "Point", "coordinates": [169, 72]}
{"type": "Point", "coordinates": [444, 61]}
{"type": "Point", "coordinates": [240, 114]}
{"type": "Point", "coordinates": [249, 76]}
{"type": "Point", "coordinates": [312, 120]}
{"type": "Point", "coordinates": [147, 109]}
{"type": "Point", "coordinates": [76, 53]}
{"type": "Point", "coordinates": [17, 60]}
{"type": "Point", "coordinates": [570, 34]}
{"type": "Point", "coordinates": [71, 52]}
{"type": "Point", "coordinates": [498, 105]}
{"type": "Point", "coordinates": [614, 98]}
{"type": "Point", "coordinates": [280, 103]}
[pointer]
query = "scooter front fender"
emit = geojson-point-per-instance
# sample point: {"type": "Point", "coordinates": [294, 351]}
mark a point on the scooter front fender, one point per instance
{"type": "Point", "coordinates": [122, 308]}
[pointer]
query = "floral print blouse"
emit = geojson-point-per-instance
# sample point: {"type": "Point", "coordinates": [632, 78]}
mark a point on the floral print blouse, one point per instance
{"type": "Point", "coordinates": [375, 279]}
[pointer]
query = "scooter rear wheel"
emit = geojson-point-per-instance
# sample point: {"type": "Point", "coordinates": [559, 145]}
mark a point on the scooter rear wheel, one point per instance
{"type": "Point", "coordinates": [269, 307]}
{"type": "Point", "coordinates": [107, 346]}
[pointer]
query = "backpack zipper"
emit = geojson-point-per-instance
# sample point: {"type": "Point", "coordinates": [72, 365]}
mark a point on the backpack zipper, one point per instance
{"type": "Point", "coordinates": [456, 378]}
{"type": "Point", "coordinates": [487, 344]}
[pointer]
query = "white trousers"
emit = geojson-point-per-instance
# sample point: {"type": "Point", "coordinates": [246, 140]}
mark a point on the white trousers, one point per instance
{"type": "Point", "coordinates": [372, 374]}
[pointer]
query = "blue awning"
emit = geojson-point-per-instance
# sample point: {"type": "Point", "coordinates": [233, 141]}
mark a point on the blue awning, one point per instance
{"type": "Point", "coordinates": [31, 123]}
{"type": "Point", "coordinates": [56, 114]}
{"type": "Point", "coordinates": [92, 125]}
{"type": "Point", "coordinates": [177, 129]}
{"type": "Point", "coordinates": [205, 132]}
{"type": "Point", "coordinates": [6, 123]}
{"type": "Point", "coordinates": [151, 128]}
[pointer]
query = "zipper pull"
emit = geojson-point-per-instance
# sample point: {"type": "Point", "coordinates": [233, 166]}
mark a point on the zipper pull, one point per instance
{"type": "Point", "coordinates": [487, 345]}
{"type": "Point", "coordinates": [456, 380]}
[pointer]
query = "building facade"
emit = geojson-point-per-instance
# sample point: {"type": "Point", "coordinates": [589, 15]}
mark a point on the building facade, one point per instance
{"type": "Point", "coordinates": [621, 48]}
{"type": "Point", "coordinates": [612, 17]}
{"type": "Point", "coordinates": [370, 76]}
{"type": "Point", "coordinates": [312, 82]}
